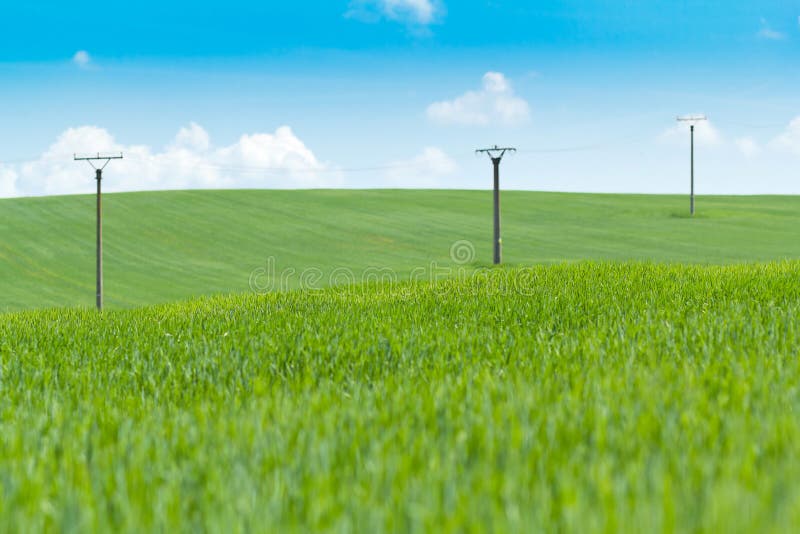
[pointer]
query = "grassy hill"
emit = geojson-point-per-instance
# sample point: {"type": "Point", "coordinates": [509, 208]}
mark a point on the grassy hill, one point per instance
{"type": "Point", "coordinates": [575, 398]}
{"type": "Point", "coordinates": [172, 245]}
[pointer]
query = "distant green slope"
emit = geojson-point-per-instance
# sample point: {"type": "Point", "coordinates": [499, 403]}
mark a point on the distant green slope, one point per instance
{"type": "Point", "coordinates": [171, 245]}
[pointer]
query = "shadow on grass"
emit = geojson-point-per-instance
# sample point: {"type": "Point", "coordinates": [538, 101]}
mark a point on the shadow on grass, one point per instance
{"type": "Point", "coordinates": [686, 215]}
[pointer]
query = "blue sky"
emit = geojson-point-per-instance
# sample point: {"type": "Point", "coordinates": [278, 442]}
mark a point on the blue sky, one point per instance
{"type": "Point", "coordinates": [389, 93]}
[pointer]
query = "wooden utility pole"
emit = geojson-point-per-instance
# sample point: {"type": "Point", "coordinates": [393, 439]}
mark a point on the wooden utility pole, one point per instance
{"type": "Point", "coordinates": [496, 154]}
{"type": "Point", "coordinates": [692, 120]}
{"type": "Point", "coordinates": [99, 178]}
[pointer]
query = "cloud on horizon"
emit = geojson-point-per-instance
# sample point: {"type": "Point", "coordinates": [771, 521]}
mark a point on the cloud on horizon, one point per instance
{"type": "Point", "coordinates": [278, 160]}
{"type": "Point", "coordinates": [8, 182]}
{"type": "Point", "coordinates": [748, 146]}
{"type": "Point", "coordinates": [494, 104]}
{"type": "Point", "coordinates": [789, 139]}
{"type": "Point", "coordinates": [260, 160]}
{"type": "Point", "coordinates": [429, 169]}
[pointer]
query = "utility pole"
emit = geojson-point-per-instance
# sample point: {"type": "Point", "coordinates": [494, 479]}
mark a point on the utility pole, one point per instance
{"type": "Point", "coordinates": [496, 154]}
{"type": "Point", "coordinates": [692, 120]}
{"type": "Point", "coordinates": [99, 177]}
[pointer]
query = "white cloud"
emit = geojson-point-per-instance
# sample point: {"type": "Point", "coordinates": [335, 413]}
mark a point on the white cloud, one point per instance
{"type": "Point", "coordinates": [260, 160]}
{"type": "Point", "coordinates": [789, 140]}
{"type": "Point", "coordinates": [278, 160]}
{"type": "Point", "coordinates": [421, 12]}
{"type": "Point", "coordinates": [436, 161]}
{"type": "Point", "coordinates": [768, 33]}
{"type": "Point", "coordinates": [705, 134]}
{"type": "Point", "coordinates": [281, 150]}
{"type": "Point", "coordinates": [8, 182]}
{"type": "Point", "coordinates": [82, 59]}
{"type": "Point", "coordinates": [193, 137]}
{"type": "Point", "coordinates": [426, 170]}
{"type": "Point", "coordinates": [748, 146]}
{"type": "Point", "coordinates": [495, 103]}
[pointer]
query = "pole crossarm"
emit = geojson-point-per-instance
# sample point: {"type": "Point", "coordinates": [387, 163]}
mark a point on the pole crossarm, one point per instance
{"type": "Point", "coordinates": [692, 119]}
{"type": "Point", "coordinates": [496, 152]}
{"type": "Point", "coordinates": [90, 159]}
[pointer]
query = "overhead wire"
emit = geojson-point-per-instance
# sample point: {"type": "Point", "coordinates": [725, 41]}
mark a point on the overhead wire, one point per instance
{"type": "Point", "coordinates": [277, 170]}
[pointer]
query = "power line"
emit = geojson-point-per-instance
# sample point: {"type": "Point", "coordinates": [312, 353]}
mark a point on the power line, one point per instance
{"type": "Point", "coordinates": [283, 169]}
{"type": "Point", "coordinates": [32, 159]}
{"type": "Point", "coordinates": [560, 150]}
{"type": "Point", "coordinates": [747, 125]}
{"type": "Point", "coordinates": [244, 168]}
{"type": "Point", "coordinates": [582, 148]}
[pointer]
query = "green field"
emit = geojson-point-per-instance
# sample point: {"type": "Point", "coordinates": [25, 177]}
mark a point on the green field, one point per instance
{"type": "Point", "coordinates": [581, 398]}
{"type": "Point", "coordinates": [637, 371]}
{"type": "Point", "coordinates": [167, 246]}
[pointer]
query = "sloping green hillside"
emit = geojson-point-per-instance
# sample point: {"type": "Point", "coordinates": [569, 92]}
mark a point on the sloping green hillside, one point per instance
{"type": "Point", "coordinates": [172, 245]}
